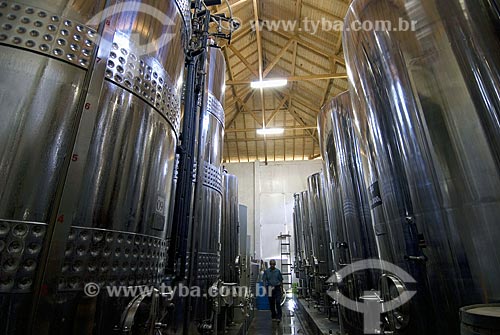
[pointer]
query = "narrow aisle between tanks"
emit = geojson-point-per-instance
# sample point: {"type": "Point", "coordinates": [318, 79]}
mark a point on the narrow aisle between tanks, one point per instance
{"type": "Point", "coordinates": [289, 325]}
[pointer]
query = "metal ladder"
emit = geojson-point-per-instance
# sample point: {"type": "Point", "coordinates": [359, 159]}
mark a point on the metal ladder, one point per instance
{"type": "Point", "coordinates": [286, 261]}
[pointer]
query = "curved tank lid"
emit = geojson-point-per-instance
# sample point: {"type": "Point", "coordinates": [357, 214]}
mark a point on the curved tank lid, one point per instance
{"type": "Point", "coordinates": [481, 316]}
{"type": "Point", "coordinates": [337, 104]}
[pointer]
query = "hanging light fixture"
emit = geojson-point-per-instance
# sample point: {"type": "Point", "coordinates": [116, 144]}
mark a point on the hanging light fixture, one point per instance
{"type": "Point", "coordinates": [270, 131]}
{"type": "Point", "coordinates": [269, 83]}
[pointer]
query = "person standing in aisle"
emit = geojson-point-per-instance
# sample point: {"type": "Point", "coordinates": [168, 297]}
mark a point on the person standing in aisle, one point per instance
{"type": "Point", "coordinates": [273, 281]}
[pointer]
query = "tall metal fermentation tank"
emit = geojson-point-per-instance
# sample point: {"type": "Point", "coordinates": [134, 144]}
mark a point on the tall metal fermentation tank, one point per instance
{"type": "Point", "coordinates": [299, 239]}
{"type": "Point", "coordinates": [297, 235]}
{"type": "Point", "coordinates": [309, 260]}
{"type": "Point", "coordinates": [429, 113]}
{"type": "Point", "coordinates": [347, 201]}
{"type": "Point", "coordinates": [243, 263]}
{"type": "Point", "coordinates": [320, 231]}
{"type": "Point", "coordinates": [207, 212]}
{"type": "Point", "coordinates": [88, 134]}
{"type": "Point", "coordinates": [306, 227]}
{"type": "Point", "coordinates": [230, 268]}
{"type": "Point", "coordinates": [230, 229]}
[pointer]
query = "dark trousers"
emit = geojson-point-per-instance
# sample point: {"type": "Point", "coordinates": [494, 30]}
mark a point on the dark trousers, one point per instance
{"type": "Point", "coordinates": [274, 294]}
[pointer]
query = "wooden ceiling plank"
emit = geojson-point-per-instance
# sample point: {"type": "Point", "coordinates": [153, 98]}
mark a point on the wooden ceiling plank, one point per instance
{"type": "Point", "coordinates": [307, 102]}
{"type": "Point", "coordinates": [243, 59]}
{"type": "Point", "coordinates": [323, 11]}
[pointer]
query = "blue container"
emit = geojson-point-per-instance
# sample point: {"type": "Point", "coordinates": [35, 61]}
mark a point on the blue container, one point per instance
{"type": "Point", "coordinates": [262, 301]}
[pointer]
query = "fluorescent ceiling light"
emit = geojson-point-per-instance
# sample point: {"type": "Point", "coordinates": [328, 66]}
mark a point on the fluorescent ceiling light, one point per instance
{"type": "Point", "coordinates": [269, 83]}
{"type": "Point", "coordinates": [270, 131]}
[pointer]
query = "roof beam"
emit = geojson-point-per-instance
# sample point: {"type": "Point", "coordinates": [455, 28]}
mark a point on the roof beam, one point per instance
{"type": "Point", "coordinates": [330, 83]}
{"type": "Point", "coordinates": [261, 139]}
{"type": "Point", "coordinates": [278, 57]}
{"type": "Point", "coordinates": [304, 36]}
{"type": "Point", "coordinates": [282, 103]}
{"type": "Point", "coordinates": [296, 116]}
{"type": "Point", "coordinates": [285, 64]}
{"type": "Point", "coordinates": [260, 73]}
{"type": "Point", "coordinates": [297, 78]}
{"type": "Point", "coordinates": [238, 151]}
{"type": "Point", "coordinates": [324, 53]}
{"type": "Point", "coordinates": [294, 69]}
{"type": "Point", "coordinates": [308, 60]}
{"type": "Point", "coordinates": [298, 10]}
{"type": "Point", "coordinates": [304, 72]}
{"type": "Point", "coordinates": [230, 72]}
{"type": "Point", "coordinates": [245, 108]}
{"type": "Point", "coordinates": [241, 130]}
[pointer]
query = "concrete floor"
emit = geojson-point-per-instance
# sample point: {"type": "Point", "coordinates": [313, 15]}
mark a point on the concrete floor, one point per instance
{"type": "Point", "coordinates": [290, 325]}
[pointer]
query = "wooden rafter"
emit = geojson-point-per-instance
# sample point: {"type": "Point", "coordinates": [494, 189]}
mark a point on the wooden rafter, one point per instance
{"type": "Point", "coordinates": [261, 139]}
{"type": "Point", "coordinates": [297, 78]}
{"type": "Point", "coordinates": [260, 72]}
{"type": "Point", "coordinates": [278, 57]}
{"type": "Point", "coordinates": [234, 6]}
{"type": "Point", "coordinates": [282, 103]}
{"type": "Point", "coordinates": [244, 106]}
{"type": "Point", "coordinates": [309, 61]}
{"type": "Point", "coordinates": [245, 130]}
{"type": "Point", "coordinates": [330, 83]}
{"type": "Point", "coordinates": [318, 50]}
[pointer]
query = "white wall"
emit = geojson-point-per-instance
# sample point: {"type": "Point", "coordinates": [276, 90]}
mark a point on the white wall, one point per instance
{"type": "Point", "coordinates": [268, 193]}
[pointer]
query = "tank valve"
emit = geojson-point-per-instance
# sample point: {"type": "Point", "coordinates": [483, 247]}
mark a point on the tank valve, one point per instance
{"type": "Point", "coordinates": [205, 326]}
{"type": "Point", "coordinates": [416, 258]}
